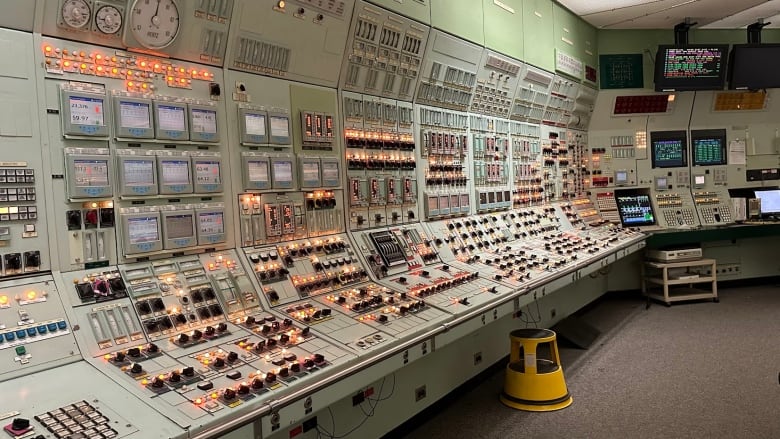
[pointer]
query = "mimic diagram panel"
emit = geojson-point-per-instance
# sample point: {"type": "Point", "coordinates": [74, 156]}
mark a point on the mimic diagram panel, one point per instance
{"type": "Point", "coordinates": [137, 154]}
{"type": "Point", "coordinates": [191, 31]}
{"type": "Point", "coordinates": [300, 40]}
{"type": "Point", "coordinates": [384, 53]}
{"type": "Point", "coordinates": [24, 236]}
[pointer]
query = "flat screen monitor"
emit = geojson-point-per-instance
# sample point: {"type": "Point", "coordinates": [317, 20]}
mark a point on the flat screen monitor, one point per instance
{"type": "Point", "coordinates": [88, 176]}
{"type": "Point", "coordinates": [174, 175]}
{"type": "Point", "coordinates": [330, 172]}
{"type": "Point", "coordinates": [133, 118]}
{"type": "Point", "coordinates": [141, 232]}
{"type": "Point", "coordinates": [668, 149]}
{"type": "Point", "coordinates": [253, 125]}
{"type": "Point", "coordinates": [137, 175]}
{"type": "Point", "coordinates": [698, 181]}
{"type": "Point", "coordinates": [691, 67]}
{"type": "Point", "coordinates": [770, 201]}
{"type": "Point", "coordinates": [661, 183]}
{"type": "Point", "coordinates": [621, 177]}
{"type": "Point", "coordinates": [257, 174]}
{"type": "Point", "coordinates": [635, 209]}
{"type": "Point", "coordinates": [178, 229]}
{"type": "Point", "coordinates": [283, 173]}
{"type": "Point", "coordinates": [211, 226]}
{"type": "Point", "coordinates": [203, 123]}
{"type": "Point", "coordinates": [709, 147]}
{"type": "Point", "coordinates": [171, 121]}
{"type": "Point", "coordinates": [83, 114]}
{"type": "Point", "coordinates": [208, 174]}
{"type": "Point", "coordinates": [279, 125]}
{"type": "Point", "coordinates": [310, 172]}
{"type": "Point", "coordinates": [754, 66]}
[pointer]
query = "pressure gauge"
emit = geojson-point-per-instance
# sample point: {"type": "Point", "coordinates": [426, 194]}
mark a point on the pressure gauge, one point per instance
{"type": "Point", "coordinates": [76, 13]}
{"type": "Point", "coordinates": [154, 23]}
{"type": "Point", "coordinates": [108, 19]}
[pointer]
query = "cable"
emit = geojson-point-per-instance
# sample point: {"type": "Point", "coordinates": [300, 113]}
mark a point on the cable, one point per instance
{"type": "Point", "coordinates": [367, 415]}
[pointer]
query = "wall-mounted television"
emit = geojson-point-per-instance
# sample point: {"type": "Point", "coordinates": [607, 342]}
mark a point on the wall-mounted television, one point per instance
{"type": "Point", "coordinates": [691, 67]}
{"type": "Point", "coordinates": [754, 66]}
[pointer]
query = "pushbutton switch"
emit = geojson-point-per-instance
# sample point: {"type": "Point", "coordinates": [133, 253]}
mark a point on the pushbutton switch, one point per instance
{"type": "Point", "coordinates": [21, 350]}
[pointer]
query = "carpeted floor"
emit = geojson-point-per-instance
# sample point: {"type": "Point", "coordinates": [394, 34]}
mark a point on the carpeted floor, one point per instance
{"type": "Point", "coordinates": [695, 370]}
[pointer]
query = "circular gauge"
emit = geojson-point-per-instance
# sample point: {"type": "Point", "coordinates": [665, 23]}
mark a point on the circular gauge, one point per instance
{"type": "Point", "coordinates": [76, 13]}
{"type": "Point", "coordinates": [154, 24]}
{"type": "Point", "coordinates": [108, 19]}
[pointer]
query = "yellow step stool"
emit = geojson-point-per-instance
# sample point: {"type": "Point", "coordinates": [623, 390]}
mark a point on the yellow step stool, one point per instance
{"type": "Point", "coordinates": [532, 383]}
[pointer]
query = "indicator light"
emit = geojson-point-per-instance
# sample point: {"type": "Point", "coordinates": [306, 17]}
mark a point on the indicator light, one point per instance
{"type": "Point", "coordinates": [144, 382]}
{"type": "Point", "coordinates": [107, 357]}
{"type": "Point", "coordinates": [31, 295]}
{"type": "Point", "coordinates": [3, 300]}
{"type": "Point", "coordinates": [114, 71]}
{"type": "Point", "coordinates": [47, 49]}
{"type": "Point", "coordinates": [281, 4]}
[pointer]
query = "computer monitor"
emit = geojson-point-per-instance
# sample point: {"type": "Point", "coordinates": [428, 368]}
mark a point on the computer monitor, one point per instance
{"type": "Point", "coordinates": [211, 225]}
{"type": "Point", "coordinates": [709, 147]}
{"type": "Point", "coordinates": [698, 181]}
{"type": "Point", "coordinates": [88, 173]}
{"type": "Point", "coordinates": [256, 171]}
{"type": "Point", "coordinates": [203, 123]}
{"type": "Point", "coordinates": [668, 149]}
{"type": "Point", "coordinates": [635, 209]}
{"type": "Point", "coordinates": [170, 119]}
{"type": "Point", "coordinates": [207, 173]}
{"type": "Point", "coordinates": [621, 177]}
{"type": "Point", "coordinates": [661, 183]}
{"type": "Point", "coordinates": [331, 177]}
{"type": "Point", "coordinates": [770, 201]}
{"type": "Point", "coordinates": [174, 174]}
{"type": "Point", "coordinates": [311, 176]}
{"type": "Point", "coordinates": [83, 114]}
{"type": "Point", "coordinates": [253, 125]}
{"type": "Point", "coordinates": [283, 172]}
{"type": "Point", "coordinates": [133, 118]}
{"type": "Point", "coordinates": [279, 124]}
{"type": "Point", "coordinates": [137, 174]}
{"type": "Point", "coordinates": [691, 67]}
{"type": "Point", "coordinates": [141, 232]}
{"type": "Point", "coordinates": [178, 229]}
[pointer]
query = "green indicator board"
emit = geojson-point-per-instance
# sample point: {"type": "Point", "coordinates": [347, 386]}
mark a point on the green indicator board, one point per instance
{"type": "Point", "coordinates": [621, 71]}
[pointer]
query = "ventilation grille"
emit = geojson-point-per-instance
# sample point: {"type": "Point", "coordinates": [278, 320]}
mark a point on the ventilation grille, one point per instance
{"type": "Point", "coordinates": [502, 65]}
{"type": "Point", "coordinates": [538, 78]}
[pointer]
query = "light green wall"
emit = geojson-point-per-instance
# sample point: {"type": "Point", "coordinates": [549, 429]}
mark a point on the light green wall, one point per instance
{"type": "Point", "coordinates": [539, 33]}
{"type": "Point", "coordinates": [504, 27]}
{"type": "Point", "coordinates": [459, 17]}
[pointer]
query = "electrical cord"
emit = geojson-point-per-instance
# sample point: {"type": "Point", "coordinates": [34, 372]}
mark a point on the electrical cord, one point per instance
{"type": "Point", "coordinates": [321, 431]}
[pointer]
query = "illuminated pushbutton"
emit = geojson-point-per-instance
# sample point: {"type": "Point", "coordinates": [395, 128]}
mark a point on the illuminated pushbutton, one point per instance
{"type": "Point", "coordinates": [21, 333]}
{"type": "Point", "coordinates": [31, 295]}
{"type": "Point", "coordinates": [32, 332]}
{"type": "Point", "coordinates": [51, 327]}
{"type": "Point", "coordinates": [3, 300]}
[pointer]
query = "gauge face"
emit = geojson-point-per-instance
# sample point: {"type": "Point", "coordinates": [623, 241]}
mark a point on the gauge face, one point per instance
{"type": "Point", "coordinates": [108, 20]}
{"type": "Point", "coordinates": [154, 23]}
{"type": "Point", "coordinates": [76, 13]}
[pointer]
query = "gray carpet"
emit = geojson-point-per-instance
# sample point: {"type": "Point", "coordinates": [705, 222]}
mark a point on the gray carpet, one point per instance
{"type": "Point", "coordinates": [694, 370]}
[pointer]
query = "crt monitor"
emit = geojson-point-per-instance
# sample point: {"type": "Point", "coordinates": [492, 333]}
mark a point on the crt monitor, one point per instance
{"type": "Point", "coordinates": [691, 67]}
{"type": "Point", "coordinates": [709, 147]}
{"type": "Point", "coordinates": [668, 149]}
{"type": "Point", "coordinates": [635, 209]}
{"type": "Point", "coordinates": [178, 229]}
{"type": "Point", "coordinates": [770, 201]}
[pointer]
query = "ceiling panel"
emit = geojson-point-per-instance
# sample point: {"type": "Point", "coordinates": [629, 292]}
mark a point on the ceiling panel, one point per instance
{"type": "Point", "coordinates": [664, 14]}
